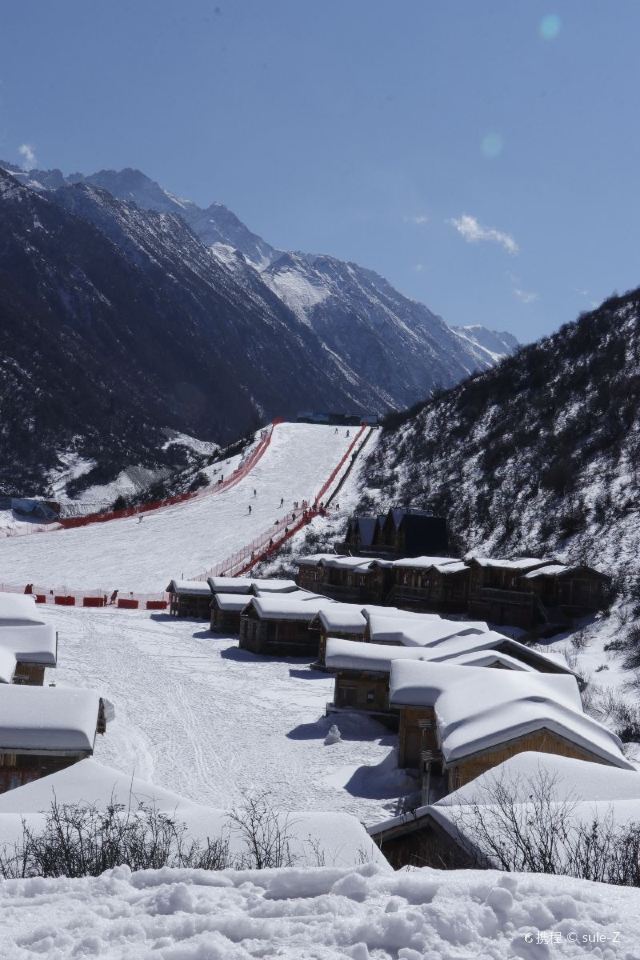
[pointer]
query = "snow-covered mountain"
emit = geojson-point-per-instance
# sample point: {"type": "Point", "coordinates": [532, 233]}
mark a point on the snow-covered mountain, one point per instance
{"type": "Point", "coordinates": [117, 324]}
{"type": "Point", "coordinates": [216, 329]}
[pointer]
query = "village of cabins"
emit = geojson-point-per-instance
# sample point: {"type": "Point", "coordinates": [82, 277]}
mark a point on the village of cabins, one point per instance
{"type": "Point", "coordinates": [408, 633]}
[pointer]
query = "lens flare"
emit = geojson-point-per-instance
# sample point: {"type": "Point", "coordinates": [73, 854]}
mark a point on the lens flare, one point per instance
{"type": "Point", "coordinates": [549, 27]}
{"type": "Point", "coordinates": [492, 145]}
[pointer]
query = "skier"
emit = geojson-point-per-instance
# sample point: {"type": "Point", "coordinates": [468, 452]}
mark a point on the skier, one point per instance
{"type": "Point", "coordinates": [255, 493]}
{"type": "Point", "coordinates": [249, 508]}
{"type": "Point", "coordinates": [282, 501]}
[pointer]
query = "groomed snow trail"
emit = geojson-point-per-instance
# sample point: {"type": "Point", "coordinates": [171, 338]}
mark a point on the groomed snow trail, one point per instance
{"type": "Point", "coordinates": [198, 716]}
{"type": "Point", "coordinates": [187, 539]}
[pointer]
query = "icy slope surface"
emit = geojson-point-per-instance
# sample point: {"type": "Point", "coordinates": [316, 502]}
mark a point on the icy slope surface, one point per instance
{"type": "Point", "coordinates": [185, 540]}
{"type": "Point", "coordinates": [198, 716]}
{"type": "Point", "coordinates": [324, 914]}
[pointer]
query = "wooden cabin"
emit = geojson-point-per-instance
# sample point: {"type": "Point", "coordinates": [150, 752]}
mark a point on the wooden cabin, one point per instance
{"type": "Point", "coordinates": [443, 835]}
{"type": "Point", "coordinates": [190, 598]}
{"type": "Point", "coordinates": [430, 583]}
{"type": "Point", "coordinates": [362, 531]}
{"type": "Point", "coordinates": [420, 839]}
{"type": "Point", "coordinates": [355, 580]}
{"type": "Point", "coordinates": [226, 610]}
{"type": "Point", "coordinates": [496, 592]}
{"type": "Point", "coordinates": [28, 645]}
{"type": "Point", "coordinates": [279, 625]}
{"type": "Point", "coordinates": [411, 533]}
{"type": "Point", "coordinates": [454, 725]}
{"type": "Point", "coordinates": [571, 590]}
{"type": "Point", "coordinates": [342, 620]}
{"type": "Point", "coordinates": [311, 572]}
{"type": "Point", "coordinates": [45, 730]}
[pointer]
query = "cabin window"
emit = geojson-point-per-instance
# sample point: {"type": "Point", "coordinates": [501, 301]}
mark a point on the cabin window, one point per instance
{"type": "Point", "coordinates": [371, 696]}
{"type": "Point", "coordinates": [8, 759]}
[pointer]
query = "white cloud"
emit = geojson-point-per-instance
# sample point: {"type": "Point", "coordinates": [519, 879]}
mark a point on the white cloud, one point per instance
{"type": "Point", "coordinates": [418, 218]}
{"type": "Point", "coordinates": [28, 155]}
{"type": "Point", "coordinates": [473, 232]}
{"type": "Point", "coordinates": [526, 296]}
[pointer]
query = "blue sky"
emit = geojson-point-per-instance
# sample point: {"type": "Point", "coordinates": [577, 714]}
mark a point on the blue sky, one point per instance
{"type": "Point", "coordinates": [482, 155]}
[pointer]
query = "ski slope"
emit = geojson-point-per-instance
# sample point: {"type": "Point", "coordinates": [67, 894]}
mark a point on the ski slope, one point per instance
{"type": "Point", "coordinates": [184, 540]}
{"type": "Point", "coordinates": [198, 716]}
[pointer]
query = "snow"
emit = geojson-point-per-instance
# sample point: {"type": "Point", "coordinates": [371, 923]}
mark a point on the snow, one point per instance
{"type": "Point", "coordinates": [572, 780]}
{"type": "Point", "coordinates": [48, 718]}
{"type": "Point", "coordinates": [283, 607]}
{"type": "Point", "coordinates": [198, 716]}
{"type": "Point", "coordinates": [426, 562]}
{"type": "Point", "coordinates": [252, 585]}
{"type": "Point", "coordinates": [326, 913]}
{"type": "Point", "coordinates": [8, 664]}
{"type": "Point", "coordinates": [377, 657]}
{"type": "Point", "coordinates": [299, 294]}
{"type": "Point", "coordinates": [522, 563]}
{"type": "Point", "coordinates": [196, 588]}
{"type": "Point", "coordinates": [336, 838]}
{"type": "Point", "coordinates": [421, 630]}
{"type": "Point", "coordinates": [343, 618]}
{"type": "Point", "coordinates": [473, 715]}
{"type": "Point", "coordinates": [183, 540]}
{"type": "Point", "coordinates": [31, 643]}
{"type": "Point", "coordinates": [23, 635]}
{"type": "Point", "coordinates": [232, 602]}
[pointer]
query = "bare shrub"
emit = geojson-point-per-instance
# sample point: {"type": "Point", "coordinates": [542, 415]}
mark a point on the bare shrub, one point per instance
{"type": "Point", "coordinates": [525, 826]}
{"type": "Point", "coordinates": [81, 840]}
{"type": "Point", "coordinates": [264, 832]}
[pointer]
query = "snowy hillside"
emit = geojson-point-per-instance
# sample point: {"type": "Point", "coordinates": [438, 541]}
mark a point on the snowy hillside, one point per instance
{"type": "Point", "coordinates": [321, 914]}
{"type": "Point", "coordinates": [538, 455]}
{"type": "Point", "coordinates": [184, 540]}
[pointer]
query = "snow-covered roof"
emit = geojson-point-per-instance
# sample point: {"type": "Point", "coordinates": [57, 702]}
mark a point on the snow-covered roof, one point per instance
{"type": "Point", "coordinates": [522, 563]}
{"type": "Point", "coordinates": [426, 562]}
{"type": "Point", "coordinates": [576, 782]}
{"type": "Point", "coordinates": [343, 618]}
{"type": "Point", "coordinates": [421, 631]}
{"type": "Point", "coordinates": [572, 780]}
{"type": "Point", "coordinates": [473, 715]}
{"type": "Point", "coordinates": [561, 569]}
{"type": "Point", "coordinates": [339, 562]}
{"type": "Point", "coordinates": [24, 633]}
{"type": "Point", "coordinates": [30, 642]}
{"type": "Point", "coordinates": [337, 837]}
{"type": "Point", "coordinates": [8, 663]}
{"type": "Point", "coordinates": [17, 607]}
{"type": "Point", "coordinates": [344, 654]}
{"type": "Point", "coordinates": [42, 719]}
{"type": "Point", "coordinates": [314, 559]}
{"type": "Point", "coordinates": [194, 588]}
{"type": "Point", "coordinates": [232, 602]}
{"type": "Point", "coordinates": [273, 586]}
{"type": "Point", "coordinates": [253, 585]}
{"type": "Point", "coordinates": [282, 607]}
{"type": "Point", "coordinates": [474, 643]}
